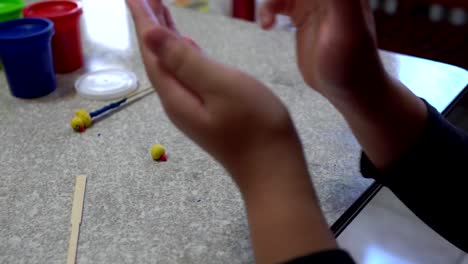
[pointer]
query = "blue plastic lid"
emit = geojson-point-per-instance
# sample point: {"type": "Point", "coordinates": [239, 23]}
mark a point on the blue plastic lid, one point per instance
{"type": "Point", "coordinates": [25, 29]}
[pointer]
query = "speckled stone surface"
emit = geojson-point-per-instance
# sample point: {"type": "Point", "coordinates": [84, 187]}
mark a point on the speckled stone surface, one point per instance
{"type": "Point", "coordinates": [186, 210]}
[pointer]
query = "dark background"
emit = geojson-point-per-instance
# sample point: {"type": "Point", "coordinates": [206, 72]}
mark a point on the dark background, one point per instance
{"type": "Point", "coordinates": [432, 29]}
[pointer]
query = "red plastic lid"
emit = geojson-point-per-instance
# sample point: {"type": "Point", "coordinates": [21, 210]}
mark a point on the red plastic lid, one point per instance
{"type": "Point", "coordinates": [53, 9]}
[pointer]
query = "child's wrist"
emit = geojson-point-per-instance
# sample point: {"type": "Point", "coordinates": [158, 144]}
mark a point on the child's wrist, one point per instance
{"type": "Point", "coordinates": [283, 211]}
{"type": "Point", "coordinates": [272, 169]}
{"type": "Point", "coordinates": [363, 95]}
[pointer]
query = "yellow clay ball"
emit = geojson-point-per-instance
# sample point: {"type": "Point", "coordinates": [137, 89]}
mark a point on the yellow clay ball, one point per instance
{"type": "Point", "coordinates": [157, 151]}
{"type": "Point", "coordinates": [85, 116]}
{"type": "Point", "coordinates": [77, 123]}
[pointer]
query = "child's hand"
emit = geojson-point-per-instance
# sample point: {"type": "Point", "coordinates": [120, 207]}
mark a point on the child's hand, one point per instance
{"type": "Point", "coordinates": [338, 57]}
{"type": "Point", "coordinates": [336, 43]}
{"type": "Point", "coordinates": [228, 113]}
{"type": "Point", "coordinates": [243, 125]}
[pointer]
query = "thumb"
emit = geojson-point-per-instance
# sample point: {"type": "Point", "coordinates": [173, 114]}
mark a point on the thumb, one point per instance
{"type": "Point", "coordinates": [183, 61]}
{"type": "Point", "coordinates": [351, 13]}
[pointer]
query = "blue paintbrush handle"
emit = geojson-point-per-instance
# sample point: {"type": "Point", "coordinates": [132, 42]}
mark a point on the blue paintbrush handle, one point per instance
{"type": "Point", "coordinates": [108, 108]}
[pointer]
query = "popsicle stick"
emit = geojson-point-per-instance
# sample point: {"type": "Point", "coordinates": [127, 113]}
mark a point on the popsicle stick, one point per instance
{"type": "Point", "coordinates": [149, 89]}
{"type": "Point", "coordinates": [76, 214]}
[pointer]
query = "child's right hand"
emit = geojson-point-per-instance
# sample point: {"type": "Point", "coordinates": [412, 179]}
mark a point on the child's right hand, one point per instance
{"type": "Point", "coordinates": [337, 55]}
{"type": "Point", "coordinates": [336, 43]}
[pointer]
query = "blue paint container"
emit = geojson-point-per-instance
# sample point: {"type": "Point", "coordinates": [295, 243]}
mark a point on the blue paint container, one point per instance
{"type": "Point", "coordinates": [26, 53]}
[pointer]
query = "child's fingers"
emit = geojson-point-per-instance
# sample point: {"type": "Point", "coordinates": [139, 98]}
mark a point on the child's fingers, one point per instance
{"type": "Point", "coordinates": [179, 102]}
{"type": "Point", "coordinates": [186, 63]}
{"type": "Point", "coordinates": [144, 20]}
{"type": "Point", "coordinates": [169, 20]}
{"type": "Point", "coordinates": [184, 107]}
{"type": "Point", "coordinates": [270, 9]}
{"type": "Point", "coordinates": [142, 14]}
{"type": "Point", "coordinates": [158, 8]}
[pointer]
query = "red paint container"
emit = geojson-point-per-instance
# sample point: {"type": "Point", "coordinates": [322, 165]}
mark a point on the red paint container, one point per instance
{"type": "Point", "coordinates": [244, 9]}
{"type": "Point", "coordinates": [66, 43]}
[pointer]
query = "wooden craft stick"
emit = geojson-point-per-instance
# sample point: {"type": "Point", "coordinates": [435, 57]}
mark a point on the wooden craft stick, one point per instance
{"type": "Point", "coordinates": [76, 214]}
{"type": "Point", "coordinates": [146, 90]}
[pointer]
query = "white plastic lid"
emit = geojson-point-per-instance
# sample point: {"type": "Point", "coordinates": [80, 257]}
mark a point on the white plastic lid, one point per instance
{"type": "Point", "coordinates": [106, 84]}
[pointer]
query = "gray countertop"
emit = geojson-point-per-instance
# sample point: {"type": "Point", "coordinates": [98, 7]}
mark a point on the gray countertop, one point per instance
{"type": "Point", "coordinates": [186, 210]}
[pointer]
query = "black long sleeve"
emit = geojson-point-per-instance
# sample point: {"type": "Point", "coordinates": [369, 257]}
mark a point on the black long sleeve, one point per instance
{"type": "Point", "coordinates": [325, 257]}
{"type": "Point", "coordinates": [431, 179]}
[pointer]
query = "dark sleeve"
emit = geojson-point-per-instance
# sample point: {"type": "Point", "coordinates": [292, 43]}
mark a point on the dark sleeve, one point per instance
{"type": "Point", "coordinates": [325, 257]}
{"type": "Point", "coordinates": [431, 179]}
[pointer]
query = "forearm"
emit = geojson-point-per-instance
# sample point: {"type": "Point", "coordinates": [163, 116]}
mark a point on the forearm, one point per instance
{"type": "Point", "coordinates": [284, 215]}
{"type": "Point", "coordinates": [430, 178]}
{"type": "Point", "coordinates": [386, 118]}
{"type": "Point", "coordinates": [410, 148]}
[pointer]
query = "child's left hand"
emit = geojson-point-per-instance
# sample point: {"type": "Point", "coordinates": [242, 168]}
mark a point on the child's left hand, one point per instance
{"type": "Point", "coordinates": [230, 114]}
